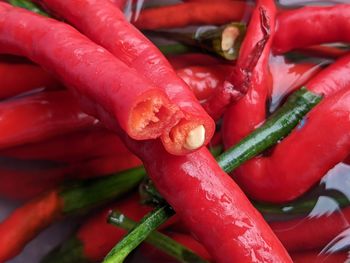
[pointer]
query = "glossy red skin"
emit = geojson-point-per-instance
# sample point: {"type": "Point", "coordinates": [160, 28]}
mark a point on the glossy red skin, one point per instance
{"type": "Point", "coordinates": [311, 232]}
{"type": "Point", "coordinates": [315, 24]}
{"type": "Point", "coordinates": [247, 113]}
{"type": "Point", "coordinates": [81, 65]}
{"type": "Point", "coordinates": [288, 77]}
{"type": "Point", "coordinates": [20, 226]}
{"type": "Point", "coordinates": [219, 214]}
{"type": "Point", "coordinates": [84, 144]}
{"type": "Point", "coordinates": [332, 79]}
{"type": "Point", "coordinates": [315, 257]}
{"type": "Point", "coordinates": [181, 15]}
{"type": "Point", "coordinates": [98, 237]}
{"type": "Point", "coordinates": [106, 24]}
{"type": "Point", "coordinates": [40, 116]}
{"type": "Point", "coordinates": [291, 170]}
{"type": "Point", "coordinates": [272, 178]}
{"type": "Point", "coordinates": [204, 80]}
{"type": "Point", "coordinates": [17, 78]}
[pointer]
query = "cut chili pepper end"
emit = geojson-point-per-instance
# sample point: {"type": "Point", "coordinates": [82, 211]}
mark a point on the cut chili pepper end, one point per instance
{"type": "Point", "coordinates": [228, 38]}
{"type": "Point", "coordinates": [151, 117]}
{"type": "Point", "coordinates": [195, 138]}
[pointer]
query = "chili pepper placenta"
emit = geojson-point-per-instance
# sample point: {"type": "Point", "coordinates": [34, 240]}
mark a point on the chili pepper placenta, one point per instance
{"type": "Point", "coordinates": [141, 109]}
{"type": "Point", "coordinates": [106, 25]}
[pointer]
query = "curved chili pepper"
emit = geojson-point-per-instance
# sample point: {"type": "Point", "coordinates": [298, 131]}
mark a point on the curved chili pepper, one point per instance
{"type": "Point", "coordinates": [105, 24]}
{"type": "Point", "coordinates": [73, 147]}
{"type": "Point", "coordinates": [273, 178]}
{"type": "Point", "coordinates": [141, 109]}
{"type": "Point", "coordinates": [17, 78]}
{"type": "Point", "coordinates": [279, 183]}
{"type": "Point", "coordinates": [40, 116]}
{"type": "Point", "coordinates": [314, 20]}
{"type": "Point", "coordinates": [316, 257]}
{"type": "Point", "coordinates": [311, 232]}
{"type": "Point", "coordinates": [180, 15]}
{"type": "Point", "coordinates": [16, 232]}
{"type": "Point", "coordinates": [252, 71]}
{"type": "Point", "coordinates": [219, 204]}
{"type": "Point", "coordinates": [38, 214]}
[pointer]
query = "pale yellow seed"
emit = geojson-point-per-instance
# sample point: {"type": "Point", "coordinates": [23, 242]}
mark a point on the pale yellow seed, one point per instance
{"type": "Point", "coordinates": [195, 138]}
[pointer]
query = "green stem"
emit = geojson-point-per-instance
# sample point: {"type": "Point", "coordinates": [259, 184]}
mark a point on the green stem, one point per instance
{"type": "Point", "coordinates": [28, 5]}
{"type": "Point", "coordinates": [89, 193]}
{"type": "Point", "coordinates": [158, 240]}
{"type": "Point", "coordinates": [147, 225]}
{"type": "Point", "coordinates": [224, 41]}
{"type": "Point", "coordinates": [275, 128]}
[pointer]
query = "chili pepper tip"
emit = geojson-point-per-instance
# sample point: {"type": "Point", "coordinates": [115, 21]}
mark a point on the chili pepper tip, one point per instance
{"type": "Point", "coordinates": [195, 138]}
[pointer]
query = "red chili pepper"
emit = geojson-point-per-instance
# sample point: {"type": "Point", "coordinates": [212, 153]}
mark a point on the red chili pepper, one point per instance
{"type": "Point", "coordinates": [72, 147]}
{"type": "Point", "coordinates": [17, 78]}
{"type": "Point", "coordinates": [252, 71]}
{"type": "Point", "coordinates": [39, 212]}
{"type": "Point", "coordinates": [219, 214]}
{"type": "Point", "coordinates": [287, 77]}
{"type": "Point", "coordinates": [204, 80]}
{"type": "Point", "coordinates": [311, 232]}
{"type": "Point", "coordinates": [180, 15]}
{"type": "Point", "coordinates": [273, 178]}
{"type": "Point", "coordinates": [314, 20]}
{"type": "Point", "coordinates": [40, 116]}
{"type": "Point", "coordinates": [141, 109]}
{"type": "Point", "coordinates": [317, 257]}
{"type": "Point", "coordinates": [106, 25]}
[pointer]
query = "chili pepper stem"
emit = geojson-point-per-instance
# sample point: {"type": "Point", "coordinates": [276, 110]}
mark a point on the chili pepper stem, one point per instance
{"type": "Point", "coordinates": [148, 224]}
{"type": "Point", "coordinates": [158, 240]}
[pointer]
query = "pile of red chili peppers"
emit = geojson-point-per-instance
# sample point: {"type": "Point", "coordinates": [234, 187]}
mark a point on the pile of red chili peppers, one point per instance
{"type": "Point", "coordinates": [222, 146]}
